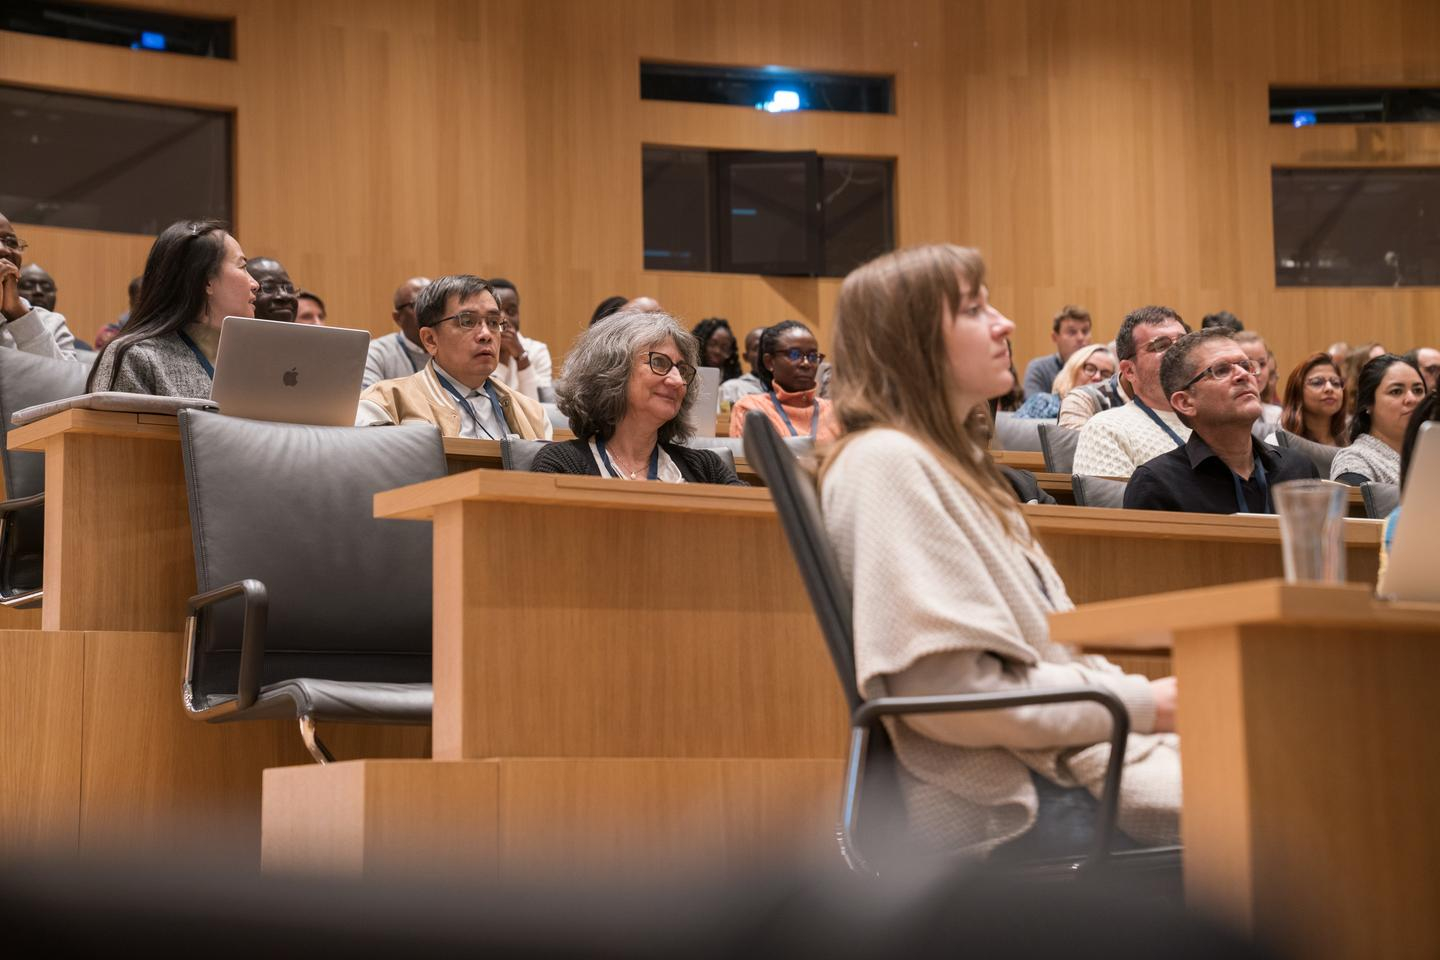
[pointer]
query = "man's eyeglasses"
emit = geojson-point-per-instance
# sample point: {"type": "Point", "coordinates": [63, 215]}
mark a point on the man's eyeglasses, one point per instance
{"type": "Point", "coordinates": [1159, 344]}
{"type": "Point", "coordinates": [272, 287]}
{"type": "Point", "coordinates": [1317, 383]}
{"type": "Point", "coordinates": [468, 320]}
{"type": "Point", "coordinates": [12, 242]}
{"type": "Point", "coordinates": [795, 355]}
{"type": "Point", "coordinates": [661, 366]}
{"type": "Point", "coordinates": [1224, 370]}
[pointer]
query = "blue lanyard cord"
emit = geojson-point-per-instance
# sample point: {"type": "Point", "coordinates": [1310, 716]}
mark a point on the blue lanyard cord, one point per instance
{"type": "Point", "coordinates": [414, 364]}
{"type": "Point", "coordinates": [814, 416]}
{"type": "Point", "coordinates": [1158, 421]}
{"type": "Point", "coordinates": [465, 405]}
{"type": "Point", "coordinates": [1261, 481]}
{"type": "Point", "coordinates": [652, 474]}
{"type": "Point", "coordinates": [199, 355]}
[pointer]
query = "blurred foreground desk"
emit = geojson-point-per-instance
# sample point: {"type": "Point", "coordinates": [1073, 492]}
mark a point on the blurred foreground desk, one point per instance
{"type": "Point", "coordinates": [1311, 775]}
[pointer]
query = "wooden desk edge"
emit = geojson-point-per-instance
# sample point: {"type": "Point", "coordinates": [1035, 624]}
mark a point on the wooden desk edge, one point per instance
{"type": "Point", "coordinates": [418, 501]}
{"type": "Point", "coordinates": [33, 436]}
{"type": "Point", "coordinates": [1138, 622]}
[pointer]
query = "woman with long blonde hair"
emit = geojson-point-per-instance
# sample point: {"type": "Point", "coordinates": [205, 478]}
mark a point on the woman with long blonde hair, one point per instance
{"type": "Point", "coordinates": [951, 591]}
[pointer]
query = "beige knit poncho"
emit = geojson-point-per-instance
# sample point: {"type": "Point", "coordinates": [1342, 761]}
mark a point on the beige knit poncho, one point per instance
{"type": "Point", "coordinates": [941, 593]}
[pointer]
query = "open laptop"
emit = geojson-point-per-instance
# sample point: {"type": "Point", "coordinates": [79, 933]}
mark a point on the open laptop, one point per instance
{"type": "Point", "coordinates": [290, 372]}
{"type": "Point", "coordinates": [1411, 573]}
{"type": "Point", "coordinates": [703, 412]}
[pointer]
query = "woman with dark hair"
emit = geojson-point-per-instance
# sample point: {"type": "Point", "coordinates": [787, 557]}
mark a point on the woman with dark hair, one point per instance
{"type": "Point", "coordinates": [194, 278]}
{"type": "Point", "coordinates": [626, 390]}
{"type": "Point", "coordinates": [1429, 409]}
{"type": "Point", "coordinates": [1389, 390]}
{"type": "Point", "coordinates": [789, 359]}
{"type": "Point", "coordinates": [1315, 401]}
{"type": "Point", "coordinates": [717, 347]}
{"type": "Point", "coordinates": [607, 307]}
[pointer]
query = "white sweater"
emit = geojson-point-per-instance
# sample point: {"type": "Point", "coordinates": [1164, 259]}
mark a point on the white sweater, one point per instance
{"type": "Point", "coordinates": [946, 602]}
{"type": "Point", "coordinates": [1116, 441]}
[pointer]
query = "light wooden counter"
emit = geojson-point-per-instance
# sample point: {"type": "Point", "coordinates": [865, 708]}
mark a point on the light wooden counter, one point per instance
{"type": "Point", "coordinates": [1311, 777]}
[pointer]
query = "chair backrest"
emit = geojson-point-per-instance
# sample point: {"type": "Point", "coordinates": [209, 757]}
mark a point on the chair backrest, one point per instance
{"type": "Point", "coordinates": [1015, 433]}
{"type": "Point", "coordinates": [1380, 499]}
{"type": "Point", "coordinates": [518, 454]}
{"type": "Point", "coordinates": [1319, 453]}
{"type": "Point", "coordinates": [557, 419]}
{"type": "Point", "coordinates": [799, 508]}
{"type": "Point", "coordinates": [1098, 491]}
{"type": "Point", "coordinates": [26, 381]}
{"type": "Point", "coordinates": [1058, 444]}
{"type": "Point", "coordinates": [292, 506]}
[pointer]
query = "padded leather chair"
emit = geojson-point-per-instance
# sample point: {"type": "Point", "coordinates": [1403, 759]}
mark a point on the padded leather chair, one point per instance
{"type": "Point", "coordinates": [26, 381]}
{"type": "Point", "coordinates": [1014, 433]}
{"type": "Point", "coordinates": [1058, 444]}
{"type": "Point", "coordinates": [870, 764]}
{"type": "Point", "coordinates": [1320, 454]}
{"type": "Point", "coordinates": [1098, 491]}
{"type": "Point", "coordinates": [1380, 499]}
{"type": "Point", "coordinates": [308, 608]}
{"type": "Point", "coordinates": [558, 420]}
{"type": "Point", "coordinates": [518, 454]}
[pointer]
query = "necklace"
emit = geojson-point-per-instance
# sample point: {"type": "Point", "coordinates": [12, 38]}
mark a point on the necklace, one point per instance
{"type": "Point", "coordinates": [620, 461]}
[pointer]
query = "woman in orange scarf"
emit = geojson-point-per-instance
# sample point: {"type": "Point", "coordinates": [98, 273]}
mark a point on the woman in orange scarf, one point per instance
{"type": "Point", "coordinates": [789, 360]}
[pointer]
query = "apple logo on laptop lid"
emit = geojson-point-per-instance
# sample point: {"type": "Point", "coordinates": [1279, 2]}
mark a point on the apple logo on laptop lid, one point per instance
{"type": "Point", "coordinates": [292, 376]}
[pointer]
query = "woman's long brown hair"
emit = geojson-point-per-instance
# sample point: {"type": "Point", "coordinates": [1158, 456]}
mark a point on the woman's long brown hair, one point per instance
{"type": "Point", "coordinates": [892, 368]}
{"type": "Point", "coordinates": [1292, 416]}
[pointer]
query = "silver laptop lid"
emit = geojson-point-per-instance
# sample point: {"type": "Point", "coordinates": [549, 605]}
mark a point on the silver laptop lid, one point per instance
{"type": "Point", "coordinates": [706, 408]}
{"type": "Point", "coordinates": [289, 372]}
{"type": "Point", "coordinates": [1411, 573]}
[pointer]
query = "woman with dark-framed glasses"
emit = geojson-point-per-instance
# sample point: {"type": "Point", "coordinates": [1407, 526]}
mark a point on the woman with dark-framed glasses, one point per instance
{"type": "Point", "coordinates": [626, 390]}
{"type": "Point", "coordinates": [790, 358]}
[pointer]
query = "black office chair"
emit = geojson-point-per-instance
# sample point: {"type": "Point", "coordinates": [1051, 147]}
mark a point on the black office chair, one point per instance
{"type": "Point", "coordinates": [26, 381]}
{"type": "Point", "coordinates": [1058, 444]}
{"type": "Point", "coordinates": [1380, 499]}
{"type": "Point", "coordinates": [335, 622]}
{"type": "Point", "coordinates": [1098, 491]}
{"type": "Point", "coordinates": [871, 756]}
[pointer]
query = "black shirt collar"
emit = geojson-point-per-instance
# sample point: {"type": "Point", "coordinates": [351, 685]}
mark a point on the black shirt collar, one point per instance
{"type": "Point", "coordinates": [1199, 451]}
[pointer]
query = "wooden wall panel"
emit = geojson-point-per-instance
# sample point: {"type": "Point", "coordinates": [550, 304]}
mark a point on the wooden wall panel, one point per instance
{"type": "Point", "coordinates": [1106, 152]}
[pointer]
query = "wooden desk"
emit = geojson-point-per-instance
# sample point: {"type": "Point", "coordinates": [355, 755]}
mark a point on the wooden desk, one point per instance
{"type": "Point", "coordinates": [600, 694]}
{"type": "Point", "coordinates": [1311, 775]}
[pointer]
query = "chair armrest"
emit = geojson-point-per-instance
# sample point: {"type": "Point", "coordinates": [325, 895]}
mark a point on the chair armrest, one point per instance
{"type": "Point", "coordinates": [871, 711]}
{"type": "Point", "coordinates": [252, 635]}
{"type": "Point", "coordinates": [22, 503]}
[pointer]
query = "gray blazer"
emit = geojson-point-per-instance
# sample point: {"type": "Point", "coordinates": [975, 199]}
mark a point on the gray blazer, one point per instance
{"type": "Point", "coordinates": [161, 366]}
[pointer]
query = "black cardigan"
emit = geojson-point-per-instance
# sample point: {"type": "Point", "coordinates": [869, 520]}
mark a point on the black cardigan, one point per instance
{"type": "Point", "coordinates": [696, 466]}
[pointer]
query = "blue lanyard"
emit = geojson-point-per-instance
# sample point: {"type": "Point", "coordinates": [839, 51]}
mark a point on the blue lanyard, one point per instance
{"type": "Point", "coordinates": [1261, 481]}
{"type": "Point", "coordinates": [414, 364]}
{"type": "Point", "coordinates": [199, 354]}
{"type": "Point", "coordinates": [652, 474]}
{"type": "Point", "coordinates": [814, 418]}
{"type": "Point", "coordinates": [1159, 422]}
{"type": "Point", "coordinates": [465, 404]}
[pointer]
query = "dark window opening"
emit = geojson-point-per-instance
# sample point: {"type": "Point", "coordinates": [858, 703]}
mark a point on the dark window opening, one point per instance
{"type": "Point", "coordinates": [121, 27]}
{"type": "Point", "coordinates": [1370, 227]}
{"type": "Point", "coordinates": [780, 214]}
{"type": "Point", "coordinates": [775, 89]}
{"type": "Point", "coordinates": [1306, 107]}
{"type": "Point", "coordinates": [100, 164]}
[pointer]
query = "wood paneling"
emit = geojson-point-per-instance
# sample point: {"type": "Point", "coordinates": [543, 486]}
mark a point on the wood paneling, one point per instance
{"type": "Point", "coordinates": [40, 720]}
{"type": "Point", "coordinates": [1107, 152]}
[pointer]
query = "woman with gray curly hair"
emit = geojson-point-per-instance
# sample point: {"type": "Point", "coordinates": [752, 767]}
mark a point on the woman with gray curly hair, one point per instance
{"type": "Point", "coordinates": [626, 389]}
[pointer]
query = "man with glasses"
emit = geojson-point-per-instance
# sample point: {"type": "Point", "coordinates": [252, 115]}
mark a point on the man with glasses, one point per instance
{"type": "Point", "coordinates": [460, 326]}
{"type": "Point", "coordinates": [1214, 388]}
{"type": "Point", "coordinates": [27, 326]}
{"type": "Point", "coordinates": [1116, 441]}
{"type": "Point", "coordinates": [1427, 361]}
{"type": "Point", "coordinates": [399, 354]}
{"type": "Point", "coordinates": [275, 300]}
